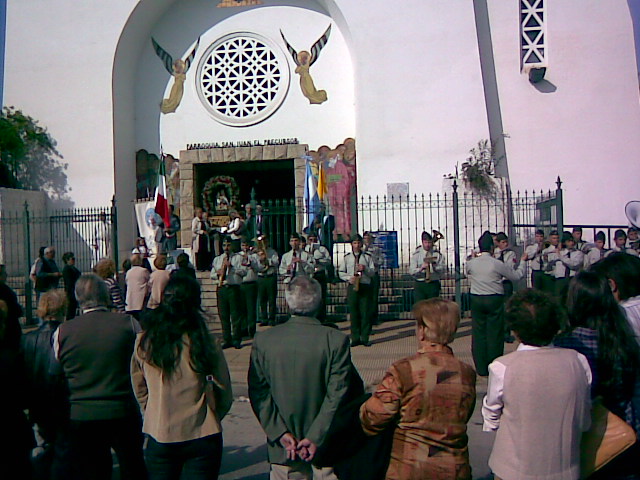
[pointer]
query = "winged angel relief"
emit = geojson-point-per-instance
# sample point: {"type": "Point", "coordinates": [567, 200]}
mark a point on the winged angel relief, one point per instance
{"type": "Point", "coordinates": [178, 70]}
{"type": "Point", "coordinates": [304, 60]}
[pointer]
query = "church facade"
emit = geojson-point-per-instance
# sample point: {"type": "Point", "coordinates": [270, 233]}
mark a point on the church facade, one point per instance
{"type": "Point", "coordinates": [254, 86]}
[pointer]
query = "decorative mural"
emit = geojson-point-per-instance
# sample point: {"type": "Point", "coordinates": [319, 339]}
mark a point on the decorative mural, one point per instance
{"type": "Point", "coordinates": [334, 172]}
{"type": "Point", "coordinates": [178, 70]}
{"type": "Point", "coordinates": [304, 60]}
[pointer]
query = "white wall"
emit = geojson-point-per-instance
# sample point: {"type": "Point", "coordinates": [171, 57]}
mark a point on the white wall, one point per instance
{"type": "Point", "coordinates": [419, 98]}
{"type": "Point", "coordinates": [328, 123]}
{"type": "Point", "coordinates": [587, 131]}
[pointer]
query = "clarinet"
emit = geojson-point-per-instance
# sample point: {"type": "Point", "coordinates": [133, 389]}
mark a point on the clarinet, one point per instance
{"type": "Point", "coordinates": [357, 275]}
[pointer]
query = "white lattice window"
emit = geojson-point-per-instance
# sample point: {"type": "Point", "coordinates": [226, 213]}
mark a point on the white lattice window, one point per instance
{"type": "Point", "coordinates": [242, 79]}
{"type": "Point", "coordinates": [533, 34]}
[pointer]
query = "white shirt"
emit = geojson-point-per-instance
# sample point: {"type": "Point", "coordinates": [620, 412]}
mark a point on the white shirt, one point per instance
{"type": "Point", "coordinates": [535, 257]}
{"type": "Point", "coordinates": [492, 403]}
{"type": "Point", "coordinates": [417, 259]}
{"type": "Point", "coordinates": [631, 308]}
{"type": "Point", "coordinates": [568, 263]}
{"type": "Point", "coordinates": [628, 250]}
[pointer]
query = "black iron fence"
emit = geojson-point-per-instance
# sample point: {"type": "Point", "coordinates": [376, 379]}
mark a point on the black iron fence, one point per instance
{"type": "Point", "coordinates": [89, 233]}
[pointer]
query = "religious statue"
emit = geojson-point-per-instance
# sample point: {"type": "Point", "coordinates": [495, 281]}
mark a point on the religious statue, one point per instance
{"type": "Point", "coordinates": [178, 69]}
{"type": "Point", "coordinates": [304, 60]}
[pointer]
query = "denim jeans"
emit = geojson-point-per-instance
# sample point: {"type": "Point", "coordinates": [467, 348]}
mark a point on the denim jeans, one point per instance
{"type": "Point", "coordinates": [192, 460]}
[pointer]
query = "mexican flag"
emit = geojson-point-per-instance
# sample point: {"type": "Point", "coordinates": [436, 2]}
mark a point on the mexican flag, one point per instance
{"type": "Point", "coordinates": [162, 203]}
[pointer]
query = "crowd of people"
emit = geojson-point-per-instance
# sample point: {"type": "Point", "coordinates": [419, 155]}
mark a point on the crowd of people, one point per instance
{"type": "Point", "coordinates": [135, 359]}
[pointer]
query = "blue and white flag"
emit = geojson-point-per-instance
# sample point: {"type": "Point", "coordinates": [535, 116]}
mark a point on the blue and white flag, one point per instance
{"type": "Point", "coordinates": [311, 199]}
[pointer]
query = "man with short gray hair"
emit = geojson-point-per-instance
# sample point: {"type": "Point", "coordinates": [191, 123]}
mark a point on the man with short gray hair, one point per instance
{"type": "Point", "coordinates": [94, 350]}
{"type": "Point", "coordinates": [298, 375]}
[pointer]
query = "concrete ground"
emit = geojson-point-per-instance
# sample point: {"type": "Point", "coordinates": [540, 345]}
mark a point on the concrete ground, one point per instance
{"type": "Point", "coordinates": [245, 453]}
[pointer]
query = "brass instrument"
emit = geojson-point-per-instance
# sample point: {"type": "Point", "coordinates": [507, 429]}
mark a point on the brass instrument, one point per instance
{"type": "Point", "coordinates": [428, 259]}
{"type": "Point", "coordinates": [293, 266]}
{"type": "Point", "coordinates": [223, 275]}
{"type": "Point", "coordinates": [357, 275]}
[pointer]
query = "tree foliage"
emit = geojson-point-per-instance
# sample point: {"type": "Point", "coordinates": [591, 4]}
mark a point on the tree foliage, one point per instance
{"type": "Point", "coordinates": [478, 170]}
{"type": "Point", "coordinates": [28, 155]}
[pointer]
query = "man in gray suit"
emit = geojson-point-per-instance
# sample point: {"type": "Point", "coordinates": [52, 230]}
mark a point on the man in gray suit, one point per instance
{"type": "Point", "coordinates": [298, 375]}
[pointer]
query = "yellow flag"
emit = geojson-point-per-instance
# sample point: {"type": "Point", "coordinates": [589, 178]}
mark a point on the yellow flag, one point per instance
{"type": "Point", "coordinates": [322, 182]}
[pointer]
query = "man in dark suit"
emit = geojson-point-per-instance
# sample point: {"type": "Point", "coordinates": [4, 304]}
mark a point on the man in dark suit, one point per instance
{"type": "Point", "coordinates": [323, 225]}
{"type": "Point", "coordinates": [299, 374]}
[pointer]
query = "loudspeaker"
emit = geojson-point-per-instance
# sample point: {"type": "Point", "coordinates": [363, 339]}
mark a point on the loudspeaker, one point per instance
{"type": "Point", "coordinates": [632, 210]}
{"type": "Point", "coordinates": [537, 74]}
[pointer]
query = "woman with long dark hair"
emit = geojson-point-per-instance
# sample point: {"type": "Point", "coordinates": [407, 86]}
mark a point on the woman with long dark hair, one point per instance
{"type": "Point", "coordinates": [601, 332]}
{"type": "Point", "coordinates": [172, 359]}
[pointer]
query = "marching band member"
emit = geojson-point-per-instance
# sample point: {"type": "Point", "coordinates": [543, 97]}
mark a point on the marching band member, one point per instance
{"type": "Point", "coordinates": [426, 267]}
{"type": "Point", "coordinates": [378, 257]}
{"type": "Point", "coordinates": [357, 269]}
{"type": "Point", "coordinates": [536, 264]}
{"type": "Point", "coordinates": [322, 260]}
{"type": "Point", "coordinates": [549, 256]}
{"type": "Point", "coordinates": [577, 237]}
{"type": "Point", "coordinates": [487, 302]}
{"type": "Point", "coordinates": [507, 256]}
{"type": "Point", "coordinates": [620, 240]}
{"type": "Point", "coordinates": [268, 263]}
{"type": "Point", "coordinates": [249, 287]}
{"type": "Point", "coordinates": [634, 241]}
{"type": "Point", "coordinates": [225, 273]}
{"type": "Point", "coordinates": [567, 263]}
{"type": "Point", "coordinates": [598, 252]}
{"type": "Point", "coordinates": [296, 261]}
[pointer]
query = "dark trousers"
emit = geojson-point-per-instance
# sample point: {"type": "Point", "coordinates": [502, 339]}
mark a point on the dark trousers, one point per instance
{"type": "Point", "coordinates": [193, 460]}
{"type": "Point", "coordinates": [375, 293]}
{"type": "Point", "coordinates": [561, 286]}
{"type": "Point", "coordinates": [55, 463]}
{"type": "Point", "coordinates": [321, 277]}
{"type": "Point", "coordinates": [92, 441]}
{"type": "Point", "coordinates": [537, 279]}
{"type": "Point", "coordinates": [267, 293]}
{"type": "Point", "coordinates": [359, 312]}
{"type": "Point", "coordinates": [548, 284]}
{"type": "Point", "coordinates": [228, 303]}
{"type": "Point", "coordinates": [425, 290]}
{"type": "Point", "coordinates": [249, 294]}
{"type": "Point", "coordinates": [487, 330]}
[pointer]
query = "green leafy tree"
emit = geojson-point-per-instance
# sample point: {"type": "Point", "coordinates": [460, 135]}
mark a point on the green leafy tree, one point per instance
{"type": "Point", "coordinates": [29, 158]}
{"type": "Point", "coordinates": [478, 170]}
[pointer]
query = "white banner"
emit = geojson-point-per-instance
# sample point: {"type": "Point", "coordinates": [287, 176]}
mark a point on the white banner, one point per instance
{"type": "Point", "coordinates": [149, 224]}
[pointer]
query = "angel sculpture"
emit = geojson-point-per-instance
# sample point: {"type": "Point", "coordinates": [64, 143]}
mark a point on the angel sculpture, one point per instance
{"type": "Point", "coordinates": [304, 60]}
{"type": "Point", "coordinates": [178, 69]}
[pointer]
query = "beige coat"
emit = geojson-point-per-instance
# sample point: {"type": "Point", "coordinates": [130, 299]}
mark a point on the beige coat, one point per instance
{"type": "Point", "coordinates": [175, 409]}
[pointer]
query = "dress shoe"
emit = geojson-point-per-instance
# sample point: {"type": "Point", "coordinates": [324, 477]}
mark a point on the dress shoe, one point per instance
{"type": "Point", "coordinates": [355, 343]}
{"type": "Point", "coordinates": [366, 343]}
{"type": "Point", "coordinates": [226, 345]}
{"type": "Point", "coordinates": [237, 345]}
{"type": "Point", "coordinates": [264, 324]}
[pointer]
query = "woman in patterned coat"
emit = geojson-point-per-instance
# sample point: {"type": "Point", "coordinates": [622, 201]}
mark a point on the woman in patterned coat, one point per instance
{"type": "Point", "coordinates": [428, 398]}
